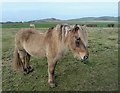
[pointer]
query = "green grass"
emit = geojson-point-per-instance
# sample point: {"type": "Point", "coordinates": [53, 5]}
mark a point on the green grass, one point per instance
{"type": "Point", "coordinates": [51, 24]}
{"type": "Point", "coordinates": [26, 25]}
{"type": "Point", "coordinates": [100, 74]}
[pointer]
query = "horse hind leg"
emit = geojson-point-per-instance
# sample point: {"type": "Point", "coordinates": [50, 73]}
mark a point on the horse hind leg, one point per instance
{"type": "Point", "coordinates": [22, 57]}
{"type": "Point", "coordinates": [27, 65]}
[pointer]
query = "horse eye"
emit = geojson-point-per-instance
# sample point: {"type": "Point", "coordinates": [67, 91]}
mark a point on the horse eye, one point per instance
{"type": "Point", "coordinates": [77, 42]}
{"type": "Point", "coordinates": [78, 38]}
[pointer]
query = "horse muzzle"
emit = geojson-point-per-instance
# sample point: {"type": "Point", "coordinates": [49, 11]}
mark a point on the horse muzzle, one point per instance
{"type": "Point", "coordinates": [84, 59]}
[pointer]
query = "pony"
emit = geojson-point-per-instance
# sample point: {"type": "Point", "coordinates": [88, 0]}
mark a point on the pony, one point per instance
{"type": "Point", "coordinates": [52, 44]}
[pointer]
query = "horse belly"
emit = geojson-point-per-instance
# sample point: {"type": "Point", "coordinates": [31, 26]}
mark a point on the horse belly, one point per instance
{"type": "Point", "coordinates": [38, 51]}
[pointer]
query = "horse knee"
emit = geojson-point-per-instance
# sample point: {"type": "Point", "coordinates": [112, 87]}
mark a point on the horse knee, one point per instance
{"type": "Point", "coordinates": [51, 69]}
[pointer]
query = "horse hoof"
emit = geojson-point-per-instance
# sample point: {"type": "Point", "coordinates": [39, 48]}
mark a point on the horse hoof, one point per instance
{"type": "Point", "coordinates": [25, 73]}
{"type": "Point", "coordinates": [52, 85]}
{"type": "Point", "coordinates": [31, 70]}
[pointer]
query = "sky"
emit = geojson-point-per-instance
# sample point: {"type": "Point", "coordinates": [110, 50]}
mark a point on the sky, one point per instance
{"type": "Point", "coordinates": [26, 11]}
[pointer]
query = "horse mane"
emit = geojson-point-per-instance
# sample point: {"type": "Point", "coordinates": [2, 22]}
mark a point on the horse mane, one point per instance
{"type": "Point", "coordinates": [59, 32]}
{"type": "Point", "coordinates": [56, 30]}
{"type": "Point", "coordinates": [62, 30]}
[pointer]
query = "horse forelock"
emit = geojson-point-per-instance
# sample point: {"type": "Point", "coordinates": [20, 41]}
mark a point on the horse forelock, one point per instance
{"type": "Point", "coordinates": [83, 34]}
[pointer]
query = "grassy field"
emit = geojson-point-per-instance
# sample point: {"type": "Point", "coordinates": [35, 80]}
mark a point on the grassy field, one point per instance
{"type": "Point", "coordinates": [51, 24]}
{"type": "Point", "coordinates": [100, 74]}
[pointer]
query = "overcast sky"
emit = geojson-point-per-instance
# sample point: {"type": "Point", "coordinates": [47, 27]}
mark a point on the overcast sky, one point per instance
{"type": "Point", "coordinates": [18, 11]}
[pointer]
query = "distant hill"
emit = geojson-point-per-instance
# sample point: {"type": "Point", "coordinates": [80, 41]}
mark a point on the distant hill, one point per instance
{"type": "Point", "coordinates": [103, 18]}
{"type": "Point", "coordinates": [83, 19]}
{"type": "Point", "coordinates": [107, 18]}
{"type": "Point", "coordinates": [44, 20]}
{"type": "Point", "coordinates": [51, 19]}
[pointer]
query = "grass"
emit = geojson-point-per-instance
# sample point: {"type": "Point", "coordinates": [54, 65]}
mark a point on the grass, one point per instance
{"type": "Point", "coordinates": [51, 24]}
{"type": "Point", "coordinates": [100, 74]}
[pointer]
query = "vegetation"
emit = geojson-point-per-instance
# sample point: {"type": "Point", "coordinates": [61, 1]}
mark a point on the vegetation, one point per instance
{"type": "Point", "coordinates": [102, 21]}
{"type": "Point", "coordinates": [51, 24]}
{"type": "Point", "coordinates": [100, 74]}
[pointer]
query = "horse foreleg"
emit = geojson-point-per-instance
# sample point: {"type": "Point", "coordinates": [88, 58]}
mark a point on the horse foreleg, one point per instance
{"type": "Point", "coordinates": [51, 69]}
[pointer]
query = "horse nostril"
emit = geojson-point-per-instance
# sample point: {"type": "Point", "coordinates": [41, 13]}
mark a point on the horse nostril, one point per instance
{"type": "Point", "coordinates": [85, 57]}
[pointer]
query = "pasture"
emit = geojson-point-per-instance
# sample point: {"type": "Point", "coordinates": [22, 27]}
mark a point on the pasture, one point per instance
{"type": "Point", "coordinates": [100, 74]}
{"type": "Point", "coordinates": [53, 23]}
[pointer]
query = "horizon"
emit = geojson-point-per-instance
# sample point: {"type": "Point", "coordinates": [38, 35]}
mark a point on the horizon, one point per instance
{"type": "Point", "coordinates": [13, 11]}
{"type": "Point", "coordinates": [57, 19]}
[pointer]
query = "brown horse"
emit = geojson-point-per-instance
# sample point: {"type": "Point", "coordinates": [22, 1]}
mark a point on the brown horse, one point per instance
{"type": "Point", "coordinates": [52, 44]}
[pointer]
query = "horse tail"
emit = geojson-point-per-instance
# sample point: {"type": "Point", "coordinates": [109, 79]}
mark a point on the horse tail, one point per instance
{"type": "Point", "coordinates": [17, 62]}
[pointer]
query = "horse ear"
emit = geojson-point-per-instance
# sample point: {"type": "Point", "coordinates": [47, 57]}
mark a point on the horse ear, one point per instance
{"type": "Point", "coordinates": [76, 25]}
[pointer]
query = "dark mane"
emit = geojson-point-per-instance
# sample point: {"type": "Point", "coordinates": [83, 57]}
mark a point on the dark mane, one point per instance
{"type": "Point", "coordinates": [62, 30]}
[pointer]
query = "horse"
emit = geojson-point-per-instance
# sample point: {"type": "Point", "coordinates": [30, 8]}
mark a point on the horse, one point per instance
{"type": "Point", "coordinates": [52, 44]}
{"type": "Point", "coordinates": [32, 25]}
